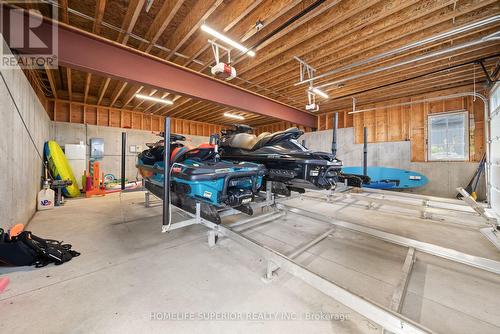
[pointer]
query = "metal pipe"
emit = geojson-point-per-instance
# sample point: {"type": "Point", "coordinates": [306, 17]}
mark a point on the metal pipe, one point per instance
{"type": "Point", "coordinates": [365, 151]}
{"type": "Point", "coordinates": [287, 23]}
{"type": "Point", "coordinates": [124, 150]}
{"type": "Point", "coordinates": [166, 174]}
{"type": "Point", "coordinates": [446, 34]}
{"type": "Point", "coordinates": [334, 134]}
{"type": "Point", "coordinates": [430, 99]}
{"type": "Point", "coordinates": [409, 61]}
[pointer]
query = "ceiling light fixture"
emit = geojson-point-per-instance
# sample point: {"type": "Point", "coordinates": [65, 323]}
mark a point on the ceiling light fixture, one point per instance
{"type": "Point", "coordinates": [152, 98]}
{"type": "Point", "coordinates": [227, 40]}
{"type": "Point", "coordinates": [320, 93]}
{"type": "Point", "coordinates": [234, 116]}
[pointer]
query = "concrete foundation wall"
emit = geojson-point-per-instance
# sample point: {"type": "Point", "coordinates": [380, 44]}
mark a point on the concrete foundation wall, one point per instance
{"type": "Point", "coordinates": [20, 166]}
{"type": "Point", "coordinates": [70, 133]}
{"type": "Point", "coordinates": [444, 177]}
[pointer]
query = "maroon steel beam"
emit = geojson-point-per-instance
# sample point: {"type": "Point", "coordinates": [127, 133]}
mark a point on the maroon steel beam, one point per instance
{"type": "Point", "coordinates": [90, 53]}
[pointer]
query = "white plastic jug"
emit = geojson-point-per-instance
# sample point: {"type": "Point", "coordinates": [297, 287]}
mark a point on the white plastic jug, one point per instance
{"type": "Point", "coordinates": [45, 199]}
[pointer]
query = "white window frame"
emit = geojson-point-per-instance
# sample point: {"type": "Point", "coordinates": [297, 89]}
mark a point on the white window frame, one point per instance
{"type": "Point", "coordinates": [465, 114]}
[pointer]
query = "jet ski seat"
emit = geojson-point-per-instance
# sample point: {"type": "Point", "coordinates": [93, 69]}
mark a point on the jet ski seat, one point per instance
{"type": "Point", "coordinates": [246, 141]}
{"type": "Point", "coordinates": [277, 136]}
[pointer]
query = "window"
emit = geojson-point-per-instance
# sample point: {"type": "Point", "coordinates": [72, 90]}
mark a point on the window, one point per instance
{"type": "Point", "coordinates": [448, 137]}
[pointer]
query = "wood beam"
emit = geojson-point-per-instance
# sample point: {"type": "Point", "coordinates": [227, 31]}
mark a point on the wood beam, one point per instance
{"type": "Point", "coordinates": [88, 78]}
{"type": "Point", "coordinates": [223, 20]}
{"type": "Point", "coordinates": [191, 24]}
{"type": "Point", "coordinates": [180, 102]}
{"type": "Point", "coordinates": [160, 23]}
{"type": "Point", "coordinates": [409, 70]}
{"type": "Point", "coordinates": [346, 16]}
{"type": "Point", "coordinates": [175, 99]}
{"type": "Point", "coordinates": [273, 14]}
{"type": "Point", "coordinates": [102, 90]}
{"type": "Point", "coordinates": [69, 80]}
{"type": "Point", "coordinates": [133, 10]}
{"type": "Point", "coordinates": [270, 12]}
{"type": "Point", "coordinates": [191, 106]}
{"type": "Point", "coordinates": [135, 89]}
{"type": "Point", "coordinates": [383, 34]}
{"type": "Point", "coordinates": [52, 81]}
{"type": "Point", "coordinates": [164, 95]}
{"type": "Point", "coordinates": [64, 11]}
{"type": "Point", "coordinates": [141, 101]}
{"type": "Point", "coordinates": [201, 108]}
{"type": "Point", "coordinates": [99, 14]}
{"type": "Point", "coordinates": [117, 92]}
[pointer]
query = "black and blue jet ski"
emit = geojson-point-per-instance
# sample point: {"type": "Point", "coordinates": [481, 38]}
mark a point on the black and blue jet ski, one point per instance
{"type": "Point", "coordinates": [199, 175]}
{"type": "Point", "coordinates": [290, 165]}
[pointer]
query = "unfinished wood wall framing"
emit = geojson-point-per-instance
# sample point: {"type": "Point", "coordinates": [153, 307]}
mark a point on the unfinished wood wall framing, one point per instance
{"type": "Point", "coordinates": [404, 123]}
{"type": "Point", "coordinates": [410, 123]}
{"type": "Point", "coordinates": [76, 112]}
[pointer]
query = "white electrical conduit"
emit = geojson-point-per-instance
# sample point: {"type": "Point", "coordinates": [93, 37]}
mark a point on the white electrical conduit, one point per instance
{"type": "Point", "coordinates": [487, 120]}
{"type": "Point", "coordinates": [410, 46]}
{"type": "Point", "coordinates": [491, 37]}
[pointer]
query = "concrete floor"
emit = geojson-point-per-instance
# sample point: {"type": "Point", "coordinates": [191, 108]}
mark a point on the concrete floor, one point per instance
{"type": "Point", "coordinates": [129, 273]}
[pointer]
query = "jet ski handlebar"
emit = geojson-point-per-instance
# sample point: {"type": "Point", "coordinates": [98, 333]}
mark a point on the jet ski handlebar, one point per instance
{"type": "Point", "coordinates": [237, 128]}
{"type": "Point", "coordinates": [173, 137]}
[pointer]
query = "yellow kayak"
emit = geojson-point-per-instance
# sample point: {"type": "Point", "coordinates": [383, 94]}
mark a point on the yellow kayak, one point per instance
{"type": "Point", "coordinates": [60, 168]}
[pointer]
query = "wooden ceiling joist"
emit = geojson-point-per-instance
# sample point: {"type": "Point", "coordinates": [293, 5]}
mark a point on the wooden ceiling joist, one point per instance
{"type": "Point", "coordinates": [160, 23]}
{"type": "Point", "coordinates": [158, 110]}
{"type": "Point", "coordinates": [99, 14]}
{"type": "Point", "coordinates": [223, 21]}
{"type": "Point", "coordinates": [52, 81]}
{"type": "Point", "coordinates": [117, 92]}
{"type": "Point", "coordinates": [365, 44]}
{"type": "Point", "coordinates": [133, 10]}
{"type": "Point", "coordinates": [64, 11]}
{"type": "Point", "coordinates": [135, 89]}
{"type": "Point", "coordinates": [191, 24]}
{"type": "Point", "coordinates": [69, 81]}
{"type": "Point", "coordinates": [88, 78]}
{"type": "Point", "coordinates": [102, 90]}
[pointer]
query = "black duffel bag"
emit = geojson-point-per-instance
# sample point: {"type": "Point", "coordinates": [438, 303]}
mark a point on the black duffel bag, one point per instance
{"type": "Point", "coordinates": [27, 249]}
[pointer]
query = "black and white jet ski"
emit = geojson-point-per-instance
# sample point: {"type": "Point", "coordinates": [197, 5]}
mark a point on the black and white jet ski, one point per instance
{"type": "Point", "coordinates": [290, 165]}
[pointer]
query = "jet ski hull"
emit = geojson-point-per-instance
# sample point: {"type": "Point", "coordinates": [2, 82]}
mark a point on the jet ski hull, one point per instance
{"type": "Point", "coordinates": [216, 184]}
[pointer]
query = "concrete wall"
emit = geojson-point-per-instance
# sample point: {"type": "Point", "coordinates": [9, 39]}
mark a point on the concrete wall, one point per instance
{"type": "Point", "coordinates": [70, 133]}
{"type": "Point", "coordinates": [444, 177]}
{"type": "Point", "coordinates": [20, 165]}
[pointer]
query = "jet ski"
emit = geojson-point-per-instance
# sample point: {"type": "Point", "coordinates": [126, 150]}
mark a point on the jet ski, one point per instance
{"type": "Point", "coordinates": [199, 175]}
{"type": "Point", "coordinates": [290, 165]}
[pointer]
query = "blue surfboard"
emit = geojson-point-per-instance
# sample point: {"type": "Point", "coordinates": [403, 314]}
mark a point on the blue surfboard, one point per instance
{"type": "Point", "coordinates": [390, 178]}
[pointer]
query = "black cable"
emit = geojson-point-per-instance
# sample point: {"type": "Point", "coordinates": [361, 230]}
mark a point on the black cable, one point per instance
{"type": "Point", "coordinates": [22, 119]}
{"type": "Point", "coordinates": [287, 23]}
